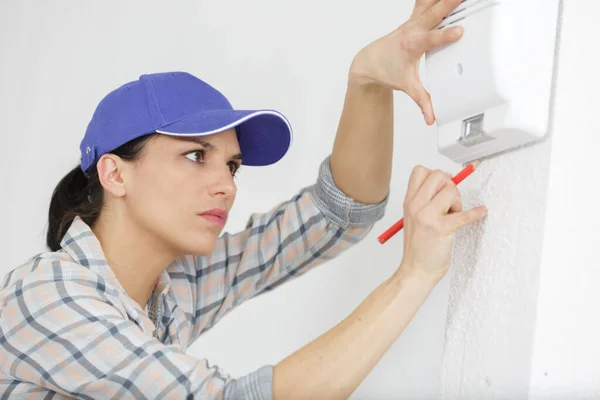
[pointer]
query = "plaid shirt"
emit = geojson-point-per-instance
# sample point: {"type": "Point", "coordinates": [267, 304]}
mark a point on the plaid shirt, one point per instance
{"type": "Point", "coordinates": [68, 328]}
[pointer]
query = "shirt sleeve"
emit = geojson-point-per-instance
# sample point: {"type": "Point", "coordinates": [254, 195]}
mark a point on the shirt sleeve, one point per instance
{"type": "Point", "coordinates": [69, 335]}
{"type": "Point", "coordinates": [316, 225]}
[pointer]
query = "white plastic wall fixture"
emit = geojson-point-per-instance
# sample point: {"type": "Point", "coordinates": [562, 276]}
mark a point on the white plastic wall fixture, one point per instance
{"type": "Point", "coordinates": [491, 90]}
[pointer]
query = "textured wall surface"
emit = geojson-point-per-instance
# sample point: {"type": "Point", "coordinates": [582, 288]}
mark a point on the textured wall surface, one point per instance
{"type": "Point", "coordinates": [523, 311]}
{"type": "Point", "coordinates": [493, 289]}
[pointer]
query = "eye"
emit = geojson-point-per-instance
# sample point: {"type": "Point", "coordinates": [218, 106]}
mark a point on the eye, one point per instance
{"type": "Point", "coordinates": [196, 156]}
{"type": "Point", "coordinates": [233, 168]}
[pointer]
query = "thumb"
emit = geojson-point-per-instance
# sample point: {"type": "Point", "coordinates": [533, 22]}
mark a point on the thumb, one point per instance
{"type": "Point", "coordinates": [461, 219]}
{"type": "Point", "coordinates": [423, 100]}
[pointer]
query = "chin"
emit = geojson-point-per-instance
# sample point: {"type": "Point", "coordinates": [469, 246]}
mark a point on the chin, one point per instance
{"type": "Point", "coordinates": [200, 244]}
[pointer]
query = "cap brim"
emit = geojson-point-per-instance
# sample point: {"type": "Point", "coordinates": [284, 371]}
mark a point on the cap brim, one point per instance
{"type": "Point", "coordinates": [264, 135]}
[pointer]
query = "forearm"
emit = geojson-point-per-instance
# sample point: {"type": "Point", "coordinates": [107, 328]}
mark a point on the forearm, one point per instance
{"type": "Point", "coordinates": [333, 365]}
{"type": "Point", "coordinates": [361, 162]}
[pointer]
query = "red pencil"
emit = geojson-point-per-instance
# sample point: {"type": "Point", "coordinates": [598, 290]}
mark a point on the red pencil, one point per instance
{"type": "Point", "coordinates": [385, 236]}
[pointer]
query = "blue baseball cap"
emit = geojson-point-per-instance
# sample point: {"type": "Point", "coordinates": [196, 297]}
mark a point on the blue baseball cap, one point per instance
{"type": "Point", "coordinates": [180, 104]}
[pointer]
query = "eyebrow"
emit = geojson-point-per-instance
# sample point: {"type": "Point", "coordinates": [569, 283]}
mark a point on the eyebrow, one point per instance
{"type": "Point", "coordinates": [210, 146]}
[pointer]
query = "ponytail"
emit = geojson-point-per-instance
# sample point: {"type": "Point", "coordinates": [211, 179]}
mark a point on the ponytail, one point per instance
{"type": "Point", "coordinates": [75, 195]}
{"type": "Point", "coordinates": [78, 194]}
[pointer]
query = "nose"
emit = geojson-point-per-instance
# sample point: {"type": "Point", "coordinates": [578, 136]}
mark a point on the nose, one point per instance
{"type": "Point", "coordinates": [222, 183]}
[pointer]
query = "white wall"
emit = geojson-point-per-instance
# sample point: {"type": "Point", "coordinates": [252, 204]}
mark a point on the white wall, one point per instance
{"type": "Point", "coordinates": [524, 300]}
{"type": "Point", "coordinates": [567, 334]}
{"type": "Point", "coordinates": [61, 57]}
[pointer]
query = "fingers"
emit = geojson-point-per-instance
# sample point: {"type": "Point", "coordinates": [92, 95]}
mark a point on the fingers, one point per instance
{"type": "Point", "coordinates": [464, 218]}
{"type": "Point", "coordinates": [434, 183]}
{"type": "Point", "coordinates": [437, 196]}
{"type": "Point", "coordinates": [447, 204]}
{"type": "Point", "coordinates": [441, 37]}
{"type": "Point", "coordinates": [447, 200]}
{"type": "Point", "coordinates": [436, 12]}
{"type": "Point", "coordinates": [417, 177]}
{"type": "Point", "coordinates": [421, 6]}
{"type": "Point", "coordinates": [423, 100]}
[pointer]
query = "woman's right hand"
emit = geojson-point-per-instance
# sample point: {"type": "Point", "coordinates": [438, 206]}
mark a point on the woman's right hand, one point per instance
{"type": "Point", "coordinates": [336, 362]}
{"type": "Point", "coordinates": [433, 213]}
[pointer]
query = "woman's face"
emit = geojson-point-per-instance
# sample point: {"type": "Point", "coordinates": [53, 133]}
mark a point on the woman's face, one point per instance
{"type": "Point", "coordinates": [181, 189]}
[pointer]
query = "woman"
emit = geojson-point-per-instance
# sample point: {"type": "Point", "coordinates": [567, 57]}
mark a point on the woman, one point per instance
{"type": "Point", "coordinates": [138, 269]}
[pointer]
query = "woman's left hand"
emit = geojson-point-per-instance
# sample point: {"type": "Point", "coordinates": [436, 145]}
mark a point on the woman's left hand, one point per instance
{"type": "Point", "coordinates": [392, 61]}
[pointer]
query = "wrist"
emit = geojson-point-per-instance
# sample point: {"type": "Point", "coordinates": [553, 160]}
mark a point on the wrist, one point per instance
{"type": "Point", "coordinates": [360, 76]}
{"type": "Point", "coordinates": [368, 91]}
{"type": "Point", "coordinates": [360, 82]}
{"type": "Point", "coordinates": [409, 290]}
{"type": "Point", "coordinates": [405, 275]}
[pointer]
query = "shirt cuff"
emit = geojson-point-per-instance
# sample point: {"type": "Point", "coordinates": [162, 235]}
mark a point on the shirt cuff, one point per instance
{"type": "Point", "coordinates": [341, 209]}
{"type": "Point", "coordinates": [255, 386]}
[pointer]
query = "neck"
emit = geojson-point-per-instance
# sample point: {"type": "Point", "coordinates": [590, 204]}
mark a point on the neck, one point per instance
{"type": "Point", "coordinates": [136, 258]}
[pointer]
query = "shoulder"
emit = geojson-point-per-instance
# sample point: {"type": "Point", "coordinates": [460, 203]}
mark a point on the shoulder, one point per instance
{"type": "Point", "coordinates": [50, 275]}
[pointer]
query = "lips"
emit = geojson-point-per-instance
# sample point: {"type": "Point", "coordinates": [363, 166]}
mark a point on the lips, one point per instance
{"type": "Point", "coordinates": [217, 216]}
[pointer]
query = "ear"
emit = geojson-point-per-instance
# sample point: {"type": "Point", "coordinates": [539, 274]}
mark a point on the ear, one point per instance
{"type": "Point", "coordinates": [110, 173]}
